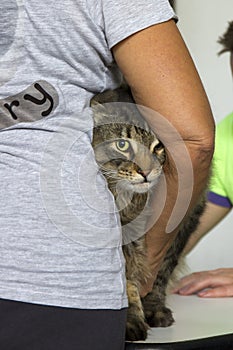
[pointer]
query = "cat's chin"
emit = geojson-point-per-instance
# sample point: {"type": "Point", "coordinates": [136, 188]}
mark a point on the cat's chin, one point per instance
{"type": "Point", "coordinates": [142, 187]}
{"type": "Point", "coordinates": [134, 187]}
{"type": "Point", "coordinates": [139, 187]}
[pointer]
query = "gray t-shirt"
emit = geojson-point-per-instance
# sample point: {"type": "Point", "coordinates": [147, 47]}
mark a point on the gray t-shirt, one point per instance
{"type": "Point", "coordinates": [60, 234]}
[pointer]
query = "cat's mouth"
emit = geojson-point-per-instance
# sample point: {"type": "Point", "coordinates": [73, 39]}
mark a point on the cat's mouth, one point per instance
{"type": "Point", "coordinates": [137, 187]}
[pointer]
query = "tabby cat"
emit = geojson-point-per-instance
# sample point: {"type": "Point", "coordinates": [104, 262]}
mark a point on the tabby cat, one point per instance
{"type": "Point", "coordinates": [131, 158]}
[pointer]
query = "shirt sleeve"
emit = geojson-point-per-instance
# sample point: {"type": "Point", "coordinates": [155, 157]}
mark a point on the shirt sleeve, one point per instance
{"type": "Point", "coordinates": [123, 18]}
{"type": "Point", "coordinates": [219, 200]}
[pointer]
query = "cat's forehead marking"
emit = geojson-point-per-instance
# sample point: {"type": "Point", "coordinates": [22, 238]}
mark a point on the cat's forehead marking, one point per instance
{"type": "Point", "coordinates": [125, 133]}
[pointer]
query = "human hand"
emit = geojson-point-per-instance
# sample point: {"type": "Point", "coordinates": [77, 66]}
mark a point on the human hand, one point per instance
{"type": "Point", "coordinates": [207, 284]}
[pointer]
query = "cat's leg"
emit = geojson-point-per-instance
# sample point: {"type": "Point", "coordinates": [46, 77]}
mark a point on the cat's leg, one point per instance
{"type": "Point", "coordinates": [136, 273]}
{"type": "Point", "coordinates": [136, 326]}
{"type": "Point", "coordinates": [154, 304]}
{"type": "Point", "coordinates": [155, 310]}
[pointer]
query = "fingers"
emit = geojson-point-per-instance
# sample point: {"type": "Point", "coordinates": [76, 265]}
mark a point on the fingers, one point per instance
{"type": "Point", "coordinates": [207, 284]}
{"type": "Point", "coordinates": [192, 283]}
{"type": "Point", "coordinates": [195, 282]}
{"type": "Point", "coordinates": [217, 292]}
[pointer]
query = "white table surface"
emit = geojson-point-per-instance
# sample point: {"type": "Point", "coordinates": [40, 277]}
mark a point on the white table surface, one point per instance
{"type": "Point", "coordinates": [195, 318]}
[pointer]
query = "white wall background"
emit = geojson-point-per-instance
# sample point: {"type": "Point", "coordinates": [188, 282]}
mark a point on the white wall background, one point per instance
{"type": "Point", "coordinates": [201, 22]}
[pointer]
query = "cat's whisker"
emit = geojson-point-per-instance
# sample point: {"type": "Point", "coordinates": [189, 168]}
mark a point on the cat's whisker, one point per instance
{"type": "Point", "coordinates": [108, 172]}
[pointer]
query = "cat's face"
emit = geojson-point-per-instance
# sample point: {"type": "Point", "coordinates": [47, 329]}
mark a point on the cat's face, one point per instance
{"type": "Point", "coordinates": [133, 165]}
{"type": "Point", "coordinates": [129, 155]}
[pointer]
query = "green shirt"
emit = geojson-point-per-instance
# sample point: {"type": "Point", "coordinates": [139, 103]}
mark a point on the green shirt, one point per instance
{"type": "Point", "coordinates": [221, 184]}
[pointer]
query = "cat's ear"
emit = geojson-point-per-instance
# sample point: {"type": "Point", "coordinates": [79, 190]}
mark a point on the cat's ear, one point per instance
{"type": "Point", "coordinates": [103, 104]}
{"type": "Point", "coordinates": [99, 108]}
{"type": "Point", "coordinates": [104, 97]}
{"type": "Point", "coordinates": [121, 94]}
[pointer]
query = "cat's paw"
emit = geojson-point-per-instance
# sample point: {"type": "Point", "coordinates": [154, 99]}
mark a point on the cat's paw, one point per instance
{"type": "Point", "coordinates": [161, 317]}
{"type": "Point", "coordinates": [136, 330]}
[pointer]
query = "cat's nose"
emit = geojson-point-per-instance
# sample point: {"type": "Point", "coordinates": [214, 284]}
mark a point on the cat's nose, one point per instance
{"type": "Point", "coordinates": [144, 173]}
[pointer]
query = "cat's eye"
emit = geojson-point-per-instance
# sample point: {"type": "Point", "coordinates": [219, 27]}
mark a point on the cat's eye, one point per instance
{"type": "Point", "coordinates": [123, 145]}
{"type": "Point", "coordinates": [157, 147]}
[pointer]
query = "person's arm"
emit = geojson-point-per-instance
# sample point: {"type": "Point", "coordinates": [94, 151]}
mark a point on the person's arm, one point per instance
{"type": "Point", "coordinates": [207, 284]}
{"type": "Point", "coordinates": [212, 215]}
{"type": "Point", "coordinates": [159, 70]}
{"type": "Point", "coordinates": [215, 283]}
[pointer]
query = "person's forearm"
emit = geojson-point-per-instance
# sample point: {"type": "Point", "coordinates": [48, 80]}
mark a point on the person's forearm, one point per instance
{"type": "Point", "coordinates": [162, 77]}
{"type": "Point", "coordinates": [160, 236]}
{"type": "Point", "coordinates": [212, 215]}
